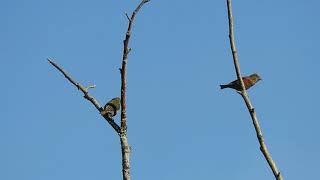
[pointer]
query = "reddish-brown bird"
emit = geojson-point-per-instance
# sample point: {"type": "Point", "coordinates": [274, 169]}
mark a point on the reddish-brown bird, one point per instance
{"type": "Point", "coordinates": [248, 81]}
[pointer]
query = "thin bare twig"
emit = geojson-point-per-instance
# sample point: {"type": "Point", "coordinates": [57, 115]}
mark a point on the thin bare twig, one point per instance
{"type": "Point", "coordinates": [244, 95]}
{"type": "Point", "coordinates": [127, 16]}
{"type": "Point", "coordinates": [123, 134]}
{"type": "Point", "coordinates": [86, 95]}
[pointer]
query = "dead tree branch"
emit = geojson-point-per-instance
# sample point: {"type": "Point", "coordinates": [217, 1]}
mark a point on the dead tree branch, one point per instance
{"type": "Point", "coordinates": [122, 129]}
{"type": "Point", "coordinates": [244, 95]}
{"type": "Point", "coordinates": [87, 95]}
{"type": "Point", "coordinates": [123, 69]}
{"type": "Point", "coordinates": [123, 133]}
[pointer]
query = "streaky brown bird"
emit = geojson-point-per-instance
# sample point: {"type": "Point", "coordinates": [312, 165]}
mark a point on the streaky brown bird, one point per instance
{"type": "Point", "coordinates": [111, 107]}
{"type": "Point", "coordinates": [248, 81]}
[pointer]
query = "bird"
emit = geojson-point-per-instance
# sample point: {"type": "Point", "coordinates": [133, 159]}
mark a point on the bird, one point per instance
{"type": "Point", "coordinates": [111, 107]}
{"type": "Point", "coordinates": [248, 81]}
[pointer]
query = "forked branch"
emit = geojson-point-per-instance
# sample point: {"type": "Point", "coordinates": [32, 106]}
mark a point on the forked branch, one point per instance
{"type": "Point", "coordinates": [244, 95]}
{"type": "Point", "coordinates": [122, 129]}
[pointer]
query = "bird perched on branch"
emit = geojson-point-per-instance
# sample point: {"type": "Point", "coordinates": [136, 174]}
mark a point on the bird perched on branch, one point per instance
{"type": "Point", "coordinates": [111, 107]}
{"type": "Point", "coordinates": [248, 81]}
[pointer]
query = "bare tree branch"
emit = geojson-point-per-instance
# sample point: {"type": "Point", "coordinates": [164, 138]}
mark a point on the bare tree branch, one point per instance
{"type": "Point", "coordinates": [243, 93]}
{"type": "Point", "coordinates": [123, 134]}
{"type": "Point", "coordinates": [123, 70]}
{"type": "Point", "coordinates": [87, 95]}
{"type": "Point", "coordinates": [122, 129]}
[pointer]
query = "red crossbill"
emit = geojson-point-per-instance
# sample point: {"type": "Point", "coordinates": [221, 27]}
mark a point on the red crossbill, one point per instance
{"type": "Point", "coordinates": [111, 107]}
{"type": "Point", "coordinates": [248, 81]}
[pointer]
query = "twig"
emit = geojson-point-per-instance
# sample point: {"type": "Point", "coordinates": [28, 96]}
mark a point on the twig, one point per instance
{"type": "Point", "coordinates": [127, 16]}
{"type": "Point", "coordinates": [86, 95]}
{"type": "Point", "coordinates": [123, 134]}
{"type": "Point", "coordinates": [244, 95]}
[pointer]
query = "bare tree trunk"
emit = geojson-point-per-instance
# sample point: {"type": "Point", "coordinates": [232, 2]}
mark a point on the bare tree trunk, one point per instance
{"type": "Point", "coordinates": [125, 148]}
{"type": "Point", "coordinates": [244, 95]}
{"type": "Point", "coordinates": [125, 157]}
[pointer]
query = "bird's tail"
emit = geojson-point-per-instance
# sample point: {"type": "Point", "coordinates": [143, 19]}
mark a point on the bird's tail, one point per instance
{"type": "Point", "coordinates": [223, 86]}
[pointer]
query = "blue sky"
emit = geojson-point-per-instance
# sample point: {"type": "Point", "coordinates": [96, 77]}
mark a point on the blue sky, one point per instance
{"type": "Point", "coordinates": [180, 124]}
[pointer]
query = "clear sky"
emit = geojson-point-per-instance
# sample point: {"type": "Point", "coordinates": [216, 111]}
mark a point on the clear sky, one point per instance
{"type": "Point", "coordinates": [180, 124]}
